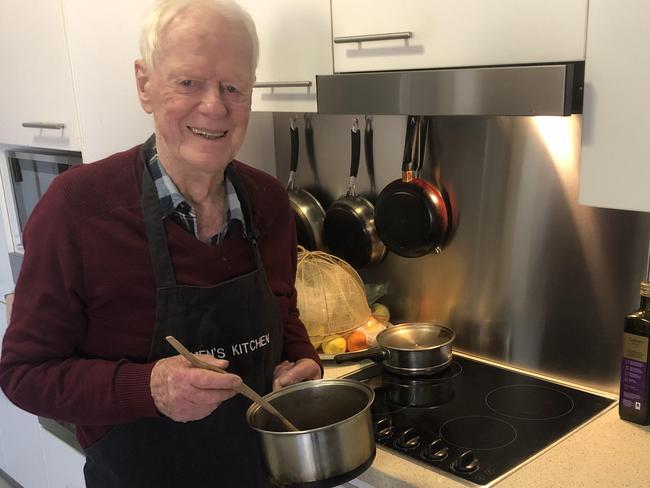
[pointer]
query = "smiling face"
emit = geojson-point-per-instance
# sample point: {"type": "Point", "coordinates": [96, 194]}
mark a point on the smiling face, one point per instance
{"type": "Point", "coordinates": [199, 91]}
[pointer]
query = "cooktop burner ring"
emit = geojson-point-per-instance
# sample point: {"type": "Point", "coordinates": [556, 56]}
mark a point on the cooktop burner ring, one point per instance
{"type": "Point", "coordinates": [382, 406]}
{"type": "Point", "coordinates": [478, 432]}
{"type": "Point", "coordinates": [529, 402]}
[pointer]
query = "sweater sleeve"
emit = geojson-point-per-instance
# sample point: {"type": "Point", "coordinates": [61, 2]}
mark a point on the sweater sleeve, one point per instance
{"type": "Point", "coordinates": [42, 368]}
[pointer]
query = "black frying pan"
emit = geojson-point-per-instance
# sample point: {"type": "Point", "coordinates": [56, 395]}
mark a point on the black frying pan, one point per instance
{"type": "Point", "coordinates": [350, 231]}
{"type": "Point", "coordinates": [411, 214]}
{"type": "Point", "coordinates": [307, 211]}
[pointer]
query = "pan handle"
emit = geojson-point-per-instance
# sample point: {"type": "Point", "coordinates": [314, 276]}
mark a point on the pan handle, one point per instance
{"type": "Point", "coordinates": [355, 149]}
{"type": "Point", "coordinates": [407, 161]}
{"type": "Point", "coordinates": [370, 162]}
{"type": "Point", "coordinates": [294, 148]}
{"type": "Point", "coordinates": [423, 136]}
{"type": "Point", "coordinates": [377, 354]}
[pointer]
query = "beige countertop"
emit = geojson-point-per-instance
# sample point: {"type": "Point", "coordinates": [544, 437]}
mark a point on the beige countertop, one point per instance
{"type": "Point", "coordinates": [607, 452]}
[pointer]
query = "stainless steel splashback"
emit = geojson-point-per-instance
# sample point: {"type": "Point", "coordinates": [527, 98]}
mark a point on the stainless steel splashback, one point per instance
{"type": "Point", "coordinates": [530, 278]}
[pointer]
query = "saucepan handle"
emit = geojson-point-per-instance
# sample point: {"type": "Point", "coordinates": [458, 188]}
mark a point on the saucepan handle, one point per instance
{"type": "Point", "coordinates": [294, 148]}
{"type": "Point", "coordinates": [377, 354]}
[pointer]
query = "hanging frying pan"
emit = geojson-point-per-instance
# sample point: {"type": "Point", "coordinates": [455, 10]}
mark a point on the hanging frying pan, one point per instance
{"type": "Point", "coordinates": [350, 231]}
{"type": "Point", "coordinates": [307, 211]}
{"type": "Point", "coordinates": [411, 214]}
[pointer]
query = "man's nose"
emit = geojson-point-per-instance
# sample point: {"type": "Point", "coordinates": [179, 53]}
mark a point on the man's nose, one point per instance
{"type": "Point", "coordinates": [212, 101]}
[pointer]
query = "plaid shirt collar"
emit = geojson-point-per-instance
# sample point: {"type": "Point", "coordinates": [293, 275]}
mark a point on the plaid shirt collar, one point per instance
{"type": "Point", "coordinates": [174, 205]}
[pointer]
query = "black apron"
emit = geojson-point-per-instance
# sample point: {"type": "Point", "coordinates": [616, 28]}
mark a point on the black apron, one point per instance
{"type": "Point", "coordinates": [237, 319]}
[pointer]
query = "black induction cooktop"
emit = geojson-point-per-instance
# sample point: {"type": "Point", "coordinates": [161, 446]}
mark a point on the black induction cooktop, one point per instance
{"type": "Point", "coordinates": [474, 421]}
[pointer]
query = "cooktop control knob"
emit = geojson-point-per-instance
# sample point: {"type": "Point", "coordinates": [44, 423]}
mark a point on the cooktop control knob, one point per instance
{"type": "Point", "coordinates": [436, 450]}
{"type": "Point", "coordinates": [466, 463]}
{"type": "Point", "coordinates": [383, 429]}
{"type": "Point", "coordinates": [409, 439]}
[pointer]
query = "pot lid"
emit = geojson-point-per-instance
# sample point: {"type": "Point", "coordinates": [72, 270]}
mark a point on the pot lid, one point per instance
{"type": "Point", "coordinates": [416, 336]}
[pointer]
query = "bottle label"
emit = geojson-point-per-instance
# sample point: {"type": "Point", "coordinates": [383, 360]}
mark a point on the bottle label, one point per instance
{"type": "Point", "coordinates": [633, 371]}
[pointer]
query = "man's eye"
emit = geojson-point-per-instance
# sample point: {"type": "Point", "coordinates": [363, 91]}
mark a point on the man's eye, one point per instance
{"type": "Point", "coordinates": [231, 89]}
{"type": "Point", "coordinates": [187, 82]}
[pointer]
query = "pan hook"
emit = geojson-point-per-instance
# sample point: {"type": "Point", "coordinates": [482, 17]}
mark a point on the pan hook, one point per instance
{"type": "Point", "coordinates": [292, 122]}
{"type": "Point", "coordinates": [355, 124]}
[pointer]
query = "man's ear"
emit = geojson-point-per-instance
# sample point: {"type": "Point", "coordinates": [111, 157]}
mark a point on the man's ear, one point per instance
{"type": "Point", "coordinates": [143, 83]}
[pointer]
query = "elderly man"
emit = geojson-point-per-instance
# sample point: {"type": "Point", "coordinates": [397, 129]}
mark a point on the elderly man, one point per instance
{"type": "Point", "coordinates": [169, 238]}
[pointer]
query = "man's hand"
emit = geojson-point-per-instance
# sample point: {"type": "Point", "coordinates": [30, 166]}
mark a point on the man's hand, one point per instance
{"type": "Point", "coordinates": [287, 373]}
{"type": "Point", "coordinates": [183, 392]}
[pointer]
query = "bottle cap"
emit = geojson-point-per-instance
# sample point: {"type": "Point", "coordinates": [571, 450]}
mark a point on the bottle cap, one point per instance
{"type": "Point", "coordinates": [645, 288]}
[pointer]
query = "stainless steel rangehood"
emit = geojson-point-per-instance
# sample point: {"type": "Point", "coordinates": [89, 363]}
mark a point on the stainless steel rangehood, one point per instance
{"type": "Point", "coordinates": [548, 89]}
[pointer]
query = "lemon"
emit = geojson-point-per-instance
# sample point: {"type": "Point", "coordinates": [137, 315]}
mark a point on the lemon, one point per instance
{"type": "Point", "coordinates": [380, 311]}
{"type": "Point", "coordinates": [334, 345]}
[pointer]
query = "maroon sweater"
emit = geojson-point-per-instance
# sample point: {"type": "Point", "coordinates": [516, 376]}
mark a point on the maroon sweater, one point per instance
{"type": "Point", "coordinates": [84, 310]}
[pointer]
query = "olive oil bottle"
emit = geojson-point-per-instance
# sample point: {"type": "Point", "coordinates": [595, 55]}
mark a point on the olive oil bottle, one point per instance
{"type": "Point", "coordinates": [635, 377]}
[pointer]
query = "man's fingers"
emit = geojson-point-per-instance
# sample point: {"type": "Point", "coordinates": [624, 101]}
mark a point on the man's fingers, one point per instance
{"type": "Point", "coordinates": [304, 369]}
{"type": "Point", "coordinates": [184, 393]}
{"type": "Point", "coordinates": [204, 379]}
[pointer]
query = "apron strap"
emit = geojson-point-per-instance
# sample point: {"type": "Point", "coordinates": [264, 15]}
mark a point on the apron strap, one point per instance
{"type": "Point", "coordinates": [156, 236]}
{"type": "Point", "coordinates": [251, 234]}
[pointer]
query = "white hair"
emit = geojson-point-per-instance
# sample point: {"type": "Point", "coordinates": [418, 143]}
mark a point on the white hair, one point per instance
{"type": "Point", "coordinates": [163, 11]}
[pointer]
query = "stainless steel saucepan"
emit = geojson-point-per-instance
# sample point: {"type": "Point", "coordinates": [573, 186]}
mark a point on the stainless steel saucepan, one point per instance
{"type": "Point", "coordinates": [412, 349]}
{"type": "Point", "coordinates": [336, 441]}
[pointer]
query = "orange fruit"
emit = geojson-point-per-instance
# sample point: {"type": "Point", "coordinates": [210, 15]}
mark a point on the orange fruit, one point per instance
{"type": "Point", "coordinates": [357, 340]}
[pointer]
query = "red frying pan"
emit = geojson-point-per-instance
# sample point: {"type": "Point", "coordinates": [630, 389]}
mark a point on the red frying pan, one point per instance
{"type": "Point", "coordinates": [411, 214]}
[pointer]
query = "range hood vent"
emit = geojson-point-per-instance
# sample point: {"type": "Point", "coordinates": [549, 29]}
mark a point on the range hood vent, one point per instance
{"type": "Point", "coordinates": [549, 89]}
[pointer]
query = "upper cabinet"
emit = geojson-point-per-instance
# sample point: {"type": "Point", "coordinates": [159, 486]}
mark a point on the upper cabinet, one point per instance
{"type": "Point", "coordinates": [103, 40]}
{"type": "Point", "coordinates": [37, 97]}
{"type": "Point", "coordinates": [295, 46]}
{"type": "Point", "coordinates": [372, 35]}
{"type": "Point", "coordinates": [615, 161]}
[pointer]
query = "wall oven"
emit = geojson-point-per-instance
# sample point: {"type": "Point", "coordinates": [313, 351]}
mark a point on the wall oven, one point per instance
{"type": "Point", "coordinates": [25, 177]}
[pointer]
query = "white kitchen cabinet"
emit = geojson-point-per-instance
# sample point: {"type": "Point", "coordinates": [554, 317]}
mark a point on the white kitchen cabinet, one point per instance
{"type": "Point", "coordinates": [456, 33]}
{"type": "Point", "coordinates": [21, 453]}
{"type": "Point", "coordinates": [64, 464]}
{"type": "Point", "coordinates": [615, 160]}
{"type": "Point", "coordinates": [36, 81]}
{"type": "Point", "coordinates": [295, 46]}
{"type": "Point", "coordinates": [21, 444]}
{"type": "Point", "coordinates": [103, 41]}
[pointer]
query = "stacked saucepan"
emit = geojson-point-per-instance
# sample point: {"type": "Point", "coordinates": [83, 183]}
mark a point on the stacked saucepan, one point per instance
{"type": "Point", "coordinates": [411, 349]}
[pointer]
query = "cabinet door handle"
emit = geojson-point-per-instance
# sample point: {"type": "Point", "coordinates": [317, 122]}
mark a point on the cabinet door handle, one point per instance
{"type": "Point", "coordinates": [373, 37]}
{"type": "Point", "coordinates": [44, 125]}
{"type": "Point", "coordinates": [282, 84]}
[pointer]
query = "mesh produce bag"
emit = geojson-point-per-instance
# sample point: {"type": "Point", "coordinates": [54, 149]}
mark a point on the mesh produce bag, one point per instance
{"type": "Point", "coordinates": [331, 295]}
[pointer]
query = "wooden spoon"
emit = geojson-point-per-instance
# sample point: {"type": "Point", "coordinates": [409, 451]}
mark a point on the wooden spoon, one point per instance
{"type": "Point", "coordinates": [243, 389]}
